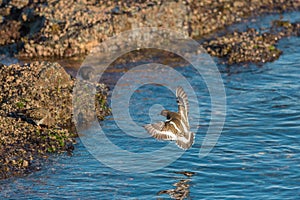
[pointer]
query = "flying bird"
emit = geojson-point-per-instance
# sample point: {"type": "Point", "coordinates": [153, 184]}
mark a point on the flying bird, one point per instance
{"type": "Point", "coordinates": [176, 127]}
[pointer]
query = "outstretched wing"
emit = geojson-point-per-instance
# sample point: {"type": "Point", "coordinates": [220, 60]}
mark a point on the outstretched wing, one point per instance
{"type": "Point", "coordinates": [186, 141]}
{"type": "Point", "coordinates": [155, 130]}
{"type": "Point", "coordinates": [183, 105]}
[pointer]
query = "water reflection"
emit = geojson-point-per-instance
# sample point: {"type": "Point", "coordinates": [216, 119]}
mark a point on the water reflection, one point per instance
{"type": "Point", "coordinates": [182, 190]}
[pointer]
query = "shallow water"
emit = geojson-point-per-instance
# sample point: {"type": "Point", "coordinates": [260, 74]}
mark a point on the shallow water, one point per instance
{"type": "Point", "coordinates": [256, 157]}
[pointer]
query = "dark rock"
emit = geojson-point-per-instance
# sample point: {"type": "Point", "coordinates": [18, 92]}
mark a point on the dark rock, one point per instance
{"type": "Point", "coordinates": [251, 45]}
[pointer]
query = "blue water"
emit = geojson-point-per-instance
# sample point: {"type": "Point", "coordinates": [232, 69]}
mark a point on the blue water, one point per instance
{"type": "Point", "coordinates": [256, 157]}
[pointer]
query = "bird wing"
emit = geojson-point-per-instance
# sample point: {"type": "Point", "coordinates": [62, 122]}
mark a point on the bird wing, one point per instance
{"type": "Point", "coordinates": [186, 141]}
{"type": "Point", "coordinates": [155, 130]}
{"type": "Point", "coordinates": [183, 105]}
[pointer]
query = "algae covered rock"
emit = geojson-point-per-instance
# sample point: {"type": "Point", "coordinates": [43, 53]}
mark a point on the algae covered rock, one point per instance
{"type": "Point", "coordinates": [36, 115]}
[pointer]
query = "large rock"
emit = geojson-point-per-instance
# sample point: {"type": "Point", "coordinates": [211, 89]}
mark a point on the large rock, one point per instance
{"type": "Point", "coordinates": [35, 115]}
{"type": "Point", "coordinates": [77, 26]}
{"type": "Point", "coordinates": [41, 90]}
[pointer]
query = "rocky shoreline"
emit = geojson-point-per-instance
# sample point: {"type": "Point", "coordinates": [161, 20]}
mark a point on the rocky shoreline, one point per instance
{"type": "Point", "coordinates": [36, 98]}
{"type": "Point", "coordinates": [47, 28]}
{"type": "Point", "coordinates": [252, 45]}
{"type": "Point", "coordinates": [36, 115]}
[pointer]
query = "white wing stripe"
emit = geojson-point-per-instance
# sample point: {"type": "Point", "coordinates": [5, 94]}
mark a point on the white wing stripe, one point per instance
{"type": "Point", "coordinates": [175, 126]}
{"type": "Point", "coordinates": [158, 134]}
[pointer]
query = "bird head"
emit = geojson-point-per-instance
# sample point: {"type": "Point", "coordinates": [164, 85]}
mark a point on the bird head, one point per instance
{"type": "Point", "coordinates": [165, 113]}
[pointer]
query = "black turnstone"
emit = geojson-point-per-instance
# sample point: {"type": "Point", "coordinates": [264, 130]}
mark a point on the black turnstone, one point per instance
{"type": "Point", "coordinates": [176, 127]}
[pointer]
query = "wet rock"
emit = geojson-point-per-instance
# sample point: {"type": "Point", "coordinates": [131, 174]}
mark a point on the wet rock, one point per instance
{"type": "Point", "coordinates": [77, 26]}
{"type": "Point", "coordinates": [38, 85]}
{"type": "Point", "coordinates": [10, 32]}
{"type": "Point", "coordinates": [285, 28]}
{"type": "Point", "coordinates": [88, 101]}
{"type": "Point", "coordinates": [210, 16]}
{"type": "Point", "coordinates": [251, 45]}
{"type": "Point", "coordinates": [25, 163]}
{"type": "Point", "coordinates": [19, 3]}
{"type": "Point", "coordinates": [36, 115]}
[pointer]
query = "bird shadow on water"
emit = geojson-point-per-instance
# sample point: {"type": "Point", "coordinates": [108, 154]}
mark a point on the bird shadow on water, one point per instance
{"type": "Point", "coordinates": [182, 187]}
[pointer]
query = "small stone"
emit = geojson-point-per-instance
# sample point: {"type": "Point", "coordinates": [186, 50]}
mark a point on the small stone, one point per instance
{"type": "Point", "coordinates": [25, 163]}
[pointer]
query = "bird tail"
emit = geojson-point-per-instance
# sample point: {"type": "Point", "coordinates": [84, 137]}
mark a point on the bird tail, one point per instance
{"type": "Point", "coordinates": [186, 141]}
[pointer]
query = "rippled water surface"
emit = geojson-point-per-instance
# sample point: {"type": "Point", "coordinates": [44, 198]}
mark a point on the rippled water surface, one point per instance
{"type": "Point", "coordinates": [256, 157]}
